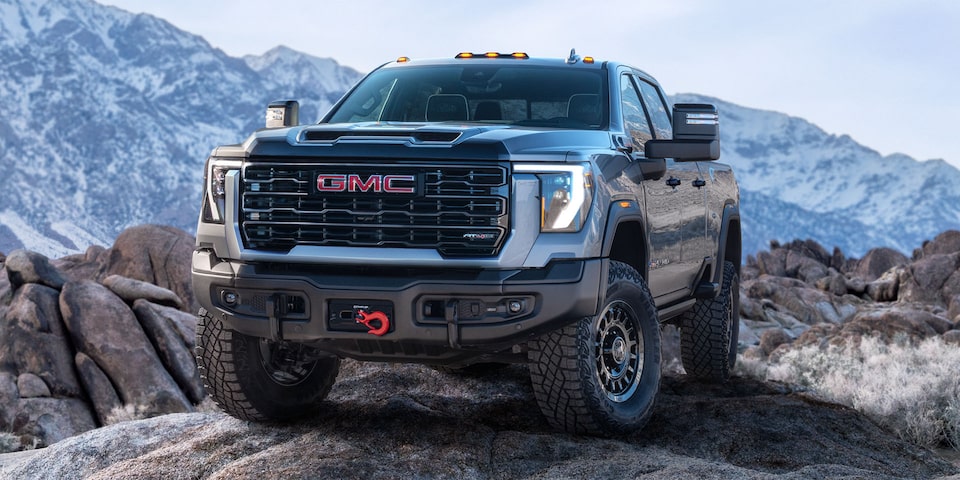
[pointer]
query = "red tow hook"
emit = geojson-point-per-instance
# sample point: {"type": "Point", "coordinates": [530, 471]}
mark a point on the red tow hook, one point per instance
{"type": "Point", "coordinates": [365, 318]}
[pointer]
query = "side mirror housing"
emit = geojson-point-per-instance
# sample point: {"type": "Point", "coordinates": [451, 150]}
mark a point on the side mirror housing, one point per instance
{"type": "Point", "coordinates": [283, 113]}
{"type": "Point", "coordinates": [696, 134]}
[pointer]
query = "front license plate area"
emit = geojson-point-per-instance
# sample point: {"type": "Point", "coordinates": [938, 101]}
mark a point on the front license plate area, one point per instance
{"type": "Point", "coordinates": [343, 315]}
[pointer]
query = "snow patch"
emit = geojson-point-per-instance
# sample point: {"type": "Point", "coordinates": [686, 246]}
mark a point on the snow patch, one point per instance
{"type": "Point", "coordinates": [31, 238]}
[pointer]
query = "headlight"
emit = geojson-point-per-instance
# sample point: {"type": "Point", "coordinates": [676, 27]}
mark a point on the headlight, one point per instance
{"type": "Point", "coordinates": [214, 191]}
{"type": "Point", "coordinates": [566, 193]}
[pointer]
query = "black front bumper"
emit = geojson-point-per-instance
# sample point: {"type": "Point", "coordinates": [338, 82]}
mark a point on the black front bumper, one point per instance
{"type": "Point", "coordinates": [438, 315]}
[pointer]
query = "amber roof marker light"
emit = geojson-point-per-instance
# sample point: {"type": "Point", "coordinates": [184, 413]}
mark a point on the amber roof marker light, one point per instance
{"type": "Point", "coordinates": [516, 55]}
{"type": "Point", "coordinates": [403, 59]}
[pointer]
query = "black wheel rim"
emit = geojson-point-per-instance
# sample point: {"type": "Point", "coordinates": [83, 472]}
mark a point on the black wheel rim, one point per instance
{"type": "Point", "coordinates": [618, 350]}
{"type": "Point", "coordinates": [286, 363]}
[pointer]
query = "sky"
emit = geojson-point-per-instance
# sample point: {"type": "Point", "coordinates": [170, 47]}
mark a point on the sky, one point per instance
{"type": "Point", "coordinates": [884, 72]}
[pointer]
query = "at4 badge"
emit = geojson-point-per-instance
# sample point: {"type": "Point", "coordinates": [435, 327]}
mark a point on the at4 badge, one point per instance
{"type": "Point", "coordinates": [367, 318]}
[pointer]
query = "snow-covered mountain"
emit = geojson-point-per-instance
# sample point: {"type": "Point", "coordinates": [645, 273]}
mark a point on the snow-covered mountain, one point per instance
{"type": "Point", "coordinates": [798, 181]}
{"type": "Point", "coordinates": [108, 117]}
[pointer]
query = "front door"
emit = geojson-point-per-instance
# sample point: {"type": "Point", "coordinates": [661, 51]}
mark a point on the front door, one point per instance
{"type": "Point", "coordinates": [674, 203]}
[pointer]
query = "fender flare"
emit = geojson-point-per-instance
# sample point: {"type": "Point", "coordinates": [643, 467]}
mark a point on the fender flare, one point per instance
{"type": "Point", "coordinates": [731, 214]}
{"type": "Point", "coordinates": [618, 213]}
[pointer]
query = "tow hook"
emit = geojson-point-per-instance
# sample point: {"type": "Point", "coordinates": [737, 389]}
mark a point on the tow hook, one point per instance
{"type": "Point", "coordinates": [366, 318]}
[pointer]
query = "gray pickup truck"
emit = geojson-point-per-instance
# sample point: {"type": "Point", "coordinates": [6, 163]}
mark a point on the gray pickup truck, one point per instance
{"type": "Point", "coordinates": [475, 210]}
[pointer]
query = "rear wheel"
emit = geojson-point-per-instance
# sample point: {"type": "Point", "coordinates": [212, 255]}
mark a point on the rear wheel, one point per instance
{"type": "Point", "coordinates": [258, 379]}
{"type": "Point", "coordinates": [601, 375]}
{"type": "Point", "coordinates": [710, 331]}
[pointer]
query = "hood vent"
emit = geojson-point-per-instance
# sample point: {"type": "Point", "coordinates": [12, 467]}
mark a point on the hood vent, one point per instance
{"type": "Point", "coordinates": [334, 135]}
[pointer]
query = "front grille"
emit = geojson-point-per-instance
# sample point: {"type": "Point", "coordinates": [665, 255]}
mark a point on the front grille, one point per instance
{"type": "Point", "coordinates": [458, 210]}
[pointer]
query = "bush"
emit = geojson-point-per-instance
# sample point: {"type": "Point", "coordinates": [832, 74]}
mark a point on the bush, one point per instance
{"type": "Point", "coordinates": [9, 442]}
{"type": "Point", "coordinates": [911, 389]}
{"type": "Point", "coordinates": [126, 413]}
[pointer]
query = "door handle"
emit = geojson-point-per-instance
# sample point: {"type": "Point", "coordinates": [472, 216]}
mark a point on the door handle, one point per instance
{"type": "Point", "coordinates": [673, 182]}
{"type": "Point", "coordinates": [699, 183]}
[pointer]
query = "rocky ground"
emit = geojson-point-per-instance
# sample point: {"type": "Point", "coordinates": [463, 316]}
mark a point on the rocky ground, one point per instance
{"type": "Point", "coordinates": [62, 318]}
{"type": "Point", "coordinates": [409, 421]}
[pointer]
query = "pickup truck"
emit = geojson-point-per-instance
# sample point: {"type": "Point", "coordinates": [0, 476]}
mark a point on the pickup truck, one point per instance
{"type": "Point", "coordinates": [481, 209]}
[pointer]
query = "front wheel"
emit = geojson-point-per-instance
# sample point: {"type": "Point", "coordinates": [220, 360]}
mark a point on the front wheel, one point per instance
{"type": "Point", "coordinates": [258, 379]}
{"type": "Point", "coordinates": [601, 375]}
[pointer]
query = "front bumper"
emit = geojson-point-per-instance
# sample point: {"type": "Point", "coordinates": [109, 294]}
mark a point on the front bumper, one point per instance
{"type": "Point", "coordinates": [438, 315]}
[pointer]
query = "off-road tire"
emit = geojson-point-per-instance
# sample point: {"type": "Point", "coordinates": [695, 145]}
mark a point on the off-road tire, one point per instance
{"type": "Point", "coordinates": [241, 381]}
{"type": "Point", "coordinates": [710, 331]}
{"type": "Point", "coordinates": [566, 365]}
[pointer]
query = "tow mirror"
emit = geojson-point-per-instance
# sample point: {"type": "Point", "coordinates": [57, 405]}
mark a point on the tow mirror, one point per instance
{"type": "Point", "coordinates": [283, 113]}
{"type": "Point", "coordinates": [696, 134]}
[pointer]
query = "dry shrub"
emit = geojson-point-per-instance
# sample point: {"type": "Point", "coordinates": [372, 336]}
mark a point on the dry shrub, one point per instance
{"type": "Point", "coordinates": [9, 442]}
{"type": "Point", "coordinates": [126, 413]}
{"type": "Point", "coordinates": [911, 389]}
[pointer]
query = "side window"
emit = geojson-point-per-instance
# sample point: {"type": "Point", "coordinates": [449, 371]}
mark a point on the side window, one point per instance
{"type": "Point", "coordinates": [657, 109]}
{"type": "Point", "coordinates": [634, 118]}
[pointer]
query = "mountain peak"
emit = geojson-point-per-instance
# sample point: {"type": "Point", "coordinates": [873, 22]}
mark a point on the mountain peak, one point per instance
{"type": "Point", "coordinates": [108, 117]}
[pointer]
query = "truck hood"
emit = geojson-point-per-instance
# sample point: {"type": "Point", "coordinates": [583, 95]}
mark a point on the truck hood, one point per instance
{"type": "Point", "coordinates": [464, 141]}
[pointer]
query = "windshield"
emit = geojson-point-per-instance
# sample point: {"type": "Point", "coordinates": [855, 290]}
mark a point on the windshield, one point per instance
{"type": "Point", "coordinates": [512, 95]}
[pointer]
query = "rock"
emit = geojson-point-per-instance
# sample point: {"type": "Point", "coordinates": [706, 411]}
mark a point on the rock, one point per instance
{"type": "Point", "coordinates": [801, 301]}
{"type": "Point", "coordinates": [945, 243]}
{"type": "Point", "coordinates": [750, 308]}
{"type": "Point", "coordinates": [747, 336]}
{"type": "Point", "coordinates": [35, 341]}
{"type": "Point", "coordinates": [9, 396]}
{"type": "Point", "coordinates": [834, 283]}
{"type": "Point", "coordinates": [804, 268]}
{"type": "Point", "coordinates": [104, 328]}
{"type": "Point", "coordinates": [951, 288]}
{"type": "Point", "coordinates": [855, 285]}
{"type": "Point", "coordinates": [131, 290]}
{"type": "Point", "coordinates": [938, 324]}
{"type": "Point", "coordinates": [887, 287]}
{"type": "Point", "coordinates": [185, 324]}
{"type": "Point", "coordinates": [156, 254]}
{"type": "Point", "coordinates": [76, 267]}
{"type": "Point", "coordinates": [877, 261]}
{"type": "Point", "coordinates": [952, 337]}
{"type": "Point", "coordinates": [750, 270]}
{"type": "Point", "coordinates": [102, 395]}
{"type": "Point", "coordinates": [889, 323]}
{"type": "Point", "coordinates": [30, 386]}
{"type": "Point", "coordinates": [173, 352]}
{"type": "Point", "coordinates": [24, 266]}
{"type": "Point", "coordinates": [838, 261]}
{"type": "Point", "coordinates": [50, 420]}
{"type": "Point", "coordinates": [772, 263]}
{"type": "Point", "coordinates": [819, 335]}
{"type": "Point", "coordinates": [954, 307]}
{"type": "Point", "coordinates": [925, 278]}
{"type": "Point", "coordinates": [773, 338]}
{"type": "Point", "coordinates": [469, 428]}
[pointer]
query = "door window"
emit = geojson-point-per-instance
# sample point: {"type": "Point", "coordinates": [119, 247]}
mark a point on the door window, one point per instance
{"type": "Point", "coordinates": [657, 109]}
{"type": "Point", "coordinates": [634, 116]}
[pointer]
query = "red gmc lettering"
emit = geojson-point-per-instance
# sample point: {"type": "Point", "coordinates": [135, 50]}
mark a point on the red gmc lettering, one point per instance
{"type": "Point", "coordinates": [390, 188]}
{"type": "Point", "coordinates": [356, 183]}
{"type": "Point", "coordinates": [331, 183]}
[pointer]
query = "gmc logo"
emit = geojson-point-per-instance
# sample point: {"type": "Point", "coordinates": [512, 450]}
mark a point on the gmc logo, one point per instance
{"type": "Point", "coordinates": [374, 183]}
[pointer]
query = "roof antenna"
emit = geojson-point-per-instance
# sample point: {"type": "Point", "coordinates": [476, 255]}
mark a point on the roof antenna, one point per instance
{"type": "Point", "coordinates": [573, 58]}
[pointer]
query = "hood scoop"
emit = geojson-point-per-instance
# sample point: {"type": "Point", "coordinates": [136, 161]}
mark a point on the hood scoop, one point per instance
{"type": "Point", "coordinates": [330, 136]}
